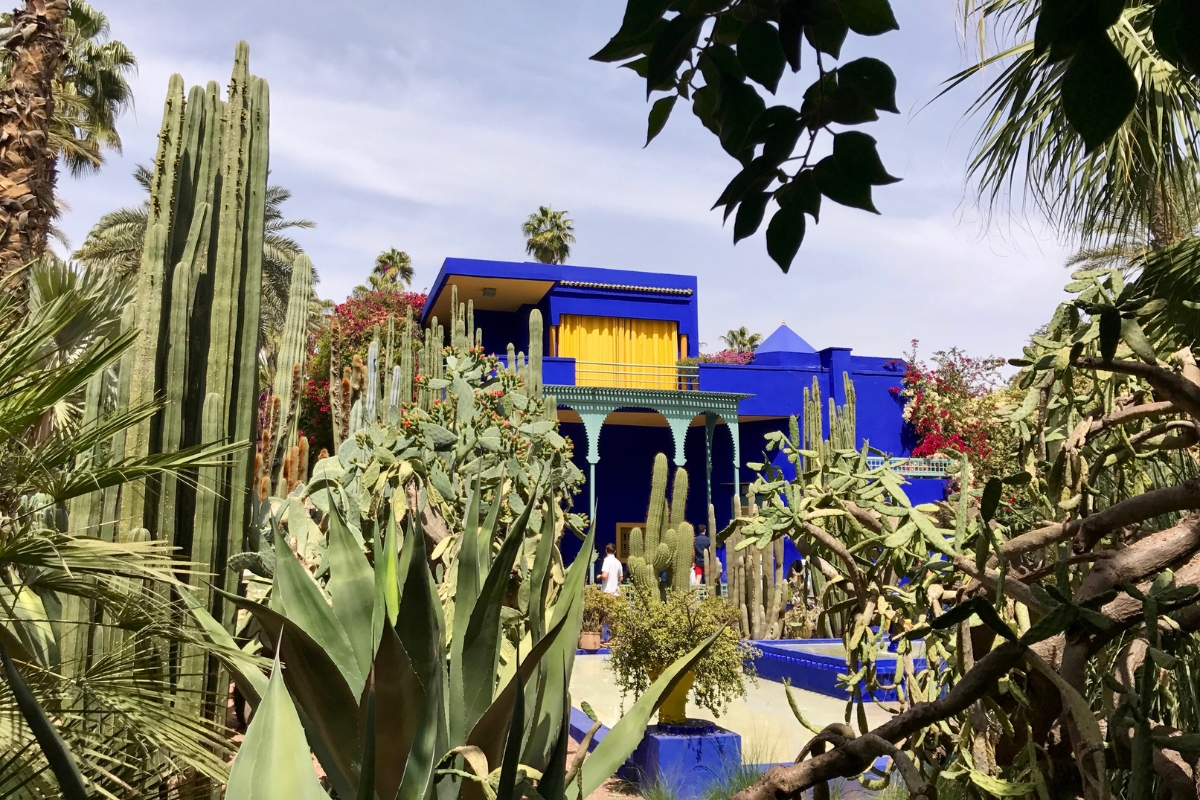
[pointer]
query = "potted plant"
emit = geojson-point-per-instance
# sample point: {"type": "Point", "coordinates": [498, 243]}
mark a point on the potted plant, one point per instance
{"type": "Point", "coordinates": [650, 634]}
{"type": "Point", "coordinates": [598, 611]}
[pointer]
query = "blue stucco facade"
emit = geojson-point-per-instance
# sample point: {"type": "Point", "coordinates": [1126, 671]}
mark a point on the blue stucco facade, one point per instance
{"type": "Point", "coordinates": [772, 386]}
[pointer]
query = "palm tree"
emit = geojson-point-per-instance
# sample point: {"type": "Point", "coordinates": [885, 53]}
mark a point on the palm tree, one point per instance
{"type": "Point", "coordinates": [114, 244]}
{"type": "Point", "coordinates": [27, 156]}
{"type": "Point", "coordinates": [549, 235]}
{"type": "Point", "coordinates": [742, 340]}
{"type": "Point", "coordinates": [393, 268]}
{"type": "Point", "coordinates": [91, 89]}
{"type": "Point", "coordinates": [1144, 172]}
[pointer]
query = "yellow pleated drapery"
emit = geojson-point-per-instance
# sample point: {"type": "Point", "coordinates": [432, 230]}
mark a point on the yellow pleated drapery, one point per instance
{"type": "Point", "coordinates": [611, 351]}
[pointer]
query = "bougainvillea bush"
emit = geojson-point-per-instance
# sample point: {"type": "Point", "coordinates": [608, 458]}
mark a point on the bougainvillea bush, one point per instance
{"type": "Point", "coordinates": [723, 357]}
{"type": "Point", "coordinates": [954, 405]}
{"type": "Point", "coordinates": [357, 318]}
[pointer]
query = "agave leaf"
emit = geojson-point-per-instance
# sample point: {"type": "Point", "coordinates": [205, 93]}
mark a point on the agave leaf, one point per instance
{"type": "Point", "coordinates": [366, 776]}
{"type": "Point", "coordinates": [471, 575]}
{"type": "Point", "coordinates": [351, 587]}
{"type": "Point", "coordinates": [318, 686]}
{"type": "Point", "coordinates": [623, 739]}
{"type": "Point", "coordinates": [488, 733]}
{"type": "Point", "coordinates": [241, 665]}
{"type": "Point", "coordinates": [62, 763]}
{"type": "Point", "coordinates": [481, 639]}
{"type": "Point", "coordinates": [418, 625]}
{"type": "Point", "coordinates": [399, 700]}
{"type": "Point", "coordinates": [274, 762]}
{"type": "Point", "coordinates": [552, 786]}
{"type": "Point", "coordinates": [553, 682]}
{"type": "Point", "coordinates": [305, 605]}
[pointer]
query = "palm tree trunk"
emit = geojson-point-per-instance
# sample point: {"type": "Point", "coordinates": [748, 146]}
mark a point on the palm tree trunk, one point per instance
{"type": "Point", "coordinates": [27, 159]}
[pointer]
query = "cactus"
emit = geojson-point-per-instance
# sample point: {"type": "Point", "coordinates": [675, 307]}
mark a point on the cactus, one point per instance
{"type": "Point", "coordinates": [534, 379]}
{"type": "Point", "coordinates": [371, 390]}
{"type": "Point", "coordinates": [756, 585]}
{"type": "Point", "coordinates": [196, 306]}
{"type": "Point", "coordinates": [290, 363]}
{"type": "Point", "coordinates": [337, 400]}
{"type": "Point", "coordinates": [658, 551]}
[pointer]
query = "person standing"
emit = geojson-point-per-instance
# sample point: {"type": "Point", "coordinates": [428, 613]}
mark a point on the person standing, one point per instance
{"type": "Point", "coordinates": [701, 544]}
{"type": "Point", "coordinates": [611, 571]}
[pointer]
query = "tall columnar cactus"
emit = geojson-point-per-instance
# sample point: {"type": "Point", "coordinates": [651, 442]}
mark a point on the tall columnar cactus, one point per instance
{"type": "Point", "coordinates": [371, 390]}
{"type": "Point", "coordinates": [290, 364]}
{"type": "Point", "coordinates": [667, 547]}
{"type": "Point", "coordinates": [756, 586]}
{"type": "Point", "coordinates": [196, 307]}
{"type": "Point", "coordinates": [534, 378]}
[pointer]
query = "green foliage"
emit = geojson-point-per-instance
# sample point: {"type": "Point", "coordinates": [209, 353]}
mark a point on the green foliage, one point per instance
{"type": "Point", "coordinates": [713, 55]}
{"type": "Point", "coordinates": [742, 340]}
{"type": "Point", "coordinates": [89, 92]}
{"type": "Point", "coordinates": [549, 235]}
{"type": "Point", "coordinates": [599, 608]}
{"type": "Point", "coordinates": [1090, 111]}
{"type": "Point", "coordinates": [648, 636]}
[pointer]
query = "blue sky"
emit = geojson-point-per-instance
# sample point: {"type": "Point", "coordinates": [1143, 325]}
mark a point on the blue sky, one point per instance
{"type": "Point", "coordinates": [437, 128]}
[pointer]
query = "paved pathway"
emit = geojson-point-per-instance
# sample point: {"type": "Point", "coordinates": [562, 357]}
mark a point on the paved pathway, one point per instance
{"type": "Point", "coordinates": [770, 733]}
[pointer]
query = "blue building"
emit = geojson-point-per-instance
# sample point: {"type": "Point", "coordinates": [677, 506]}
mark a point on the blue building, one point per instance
{"type": "Point", "coordinates": [614, 341]}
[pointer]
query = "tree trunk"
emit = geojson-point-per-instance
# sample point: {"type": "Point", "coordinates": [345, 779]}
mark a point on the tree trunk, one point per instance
{"type": "Point", "coordinates": [27, 160]}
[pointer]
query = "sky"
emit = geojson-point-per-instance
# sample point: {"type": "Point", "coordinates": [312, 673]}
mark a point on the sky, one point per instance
{"type": "Point", "coordinates": [437, 128]}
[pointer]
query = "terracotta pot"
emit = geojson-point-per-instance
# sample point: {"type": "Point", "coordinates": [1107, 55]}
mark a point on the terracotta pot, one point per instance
{"type": "Point", "coordinates": [590, 641]}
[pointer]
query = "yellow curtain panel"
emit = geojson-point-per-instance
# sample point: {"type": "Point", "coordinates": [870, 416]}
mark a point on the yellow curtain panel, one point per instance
{"type": "Point", "coordinates": [609, 351]}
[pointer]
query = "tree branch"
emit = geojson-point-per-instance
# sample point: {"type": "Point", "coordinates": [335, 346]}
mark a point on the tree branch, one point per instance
{"type": "Point", "coordinates": [1142, 558]}
{"type": "Point", "coordinates": [1165, 382]}
{"type": "Point", "coordinates": [853, 757]}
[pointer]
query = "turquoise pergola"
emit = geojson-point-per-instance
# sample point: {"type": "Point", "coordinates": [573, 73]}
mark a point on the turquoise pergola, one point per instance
{"type": "Point", "coordinates": [595, 403]}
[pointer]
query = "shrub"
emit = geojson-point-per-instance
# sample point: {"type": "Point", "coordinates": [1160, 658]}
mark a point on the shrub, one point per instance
{"type": "Point", "coordinates": [955, 406]}
{"type": "Point", "coordinates": [599, 608]}
{"type": "Point", "coordinates": [648, 637]}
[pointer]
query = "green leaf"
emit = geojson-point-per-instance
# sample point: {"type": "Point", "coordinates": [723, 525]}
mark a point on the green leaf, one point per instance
{"type": "Point", "coordinates": [305, 605]}
{"type": "Point", "coordinates": [840, 188]}
{"type": "Point", "coordinates": [638, 29]}
{"type": "Point", "coordinates": [869, 17]}
{"type": "Point", "coordinates": [620, 742]}
{"type": "Point", "coordinates": [246, 674]}
{"type": "Point", "coordinates": [488, 733]}
{"type": "Point", "coordinates": [991, 499]}
{"type": "Point", "coordinates": [761, 55]}
{"type": "Point", "coordinates": [319, 687]}
{"type": "Point", "coordinates": [1110, 333]}
{"type": "Point", "coordinates": [858, 159]}
{"type": "Point", "coordinates": [998, 787]}
{"type": "Point", "coordinates": [366, 776]}
{"type": "Point", "coordinates": [673, 45]}
{"type": "Point", "coordinates": [481, 639]}
{"type": "Point", "coordinates": [58, 756]}
{"type": "Point", "coordinates": [1161, 659]}
{"type": "Point", "coordinates": [1099, 90]}
{"type": "Point", "coordinates": [399, 701]}
{"type": "Point", "coordinates": [1053, 623]}
{"type": "Point", "coordinates": [512, 747]}
{"type": "Point", "coordinates": [1132, 333]}
{"type": "Point", "coordinates": [659, 113]}
{"type": "Point", "coordinates": [784, 235]}
{"type": "Point", "coordinates": [351, 587]}
{"type": "Point", "coordinates": [419, 627]}
{"type": "Point", "coordinates": [872, 80]}
{"type": "Point", "coordinates": [980, 607]}
{"type": "Point", "coordinates": [1018, 479]}
{"type": "Point", "coordinates": [801, 191]}
{"type": "Point", "coordinates": [826, 28]}
{"type": "Point", "coordinates": [274, 762]}
{"type": "Point", "coordinates": [749, 215]}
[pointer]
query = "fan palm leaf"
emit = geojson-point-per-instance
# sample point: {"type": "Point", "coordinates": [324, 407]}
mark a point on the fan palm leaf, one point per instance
{"type": "Point", "coordinates": [549, 235]}
{"type": "Point", "coordinates": [120, 713]}
{"type": "Point", "coordinates": [1026, 147]}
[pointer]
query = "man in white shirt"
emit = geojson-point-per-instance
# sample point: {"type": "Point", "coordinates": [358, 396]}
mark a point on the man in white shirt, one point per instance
{"type": "Point", "coordinates": [611, 571]}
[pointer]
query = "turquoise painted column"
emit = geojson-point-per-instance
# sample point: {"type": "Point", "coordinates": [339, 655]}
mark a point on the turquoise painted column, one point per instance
{"type": "Point", "coordinates": [710, 422]}
{"type": "Point", "coordinates": [593, 421]}
{"type": "Point", "coordinates": [679, 421]}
